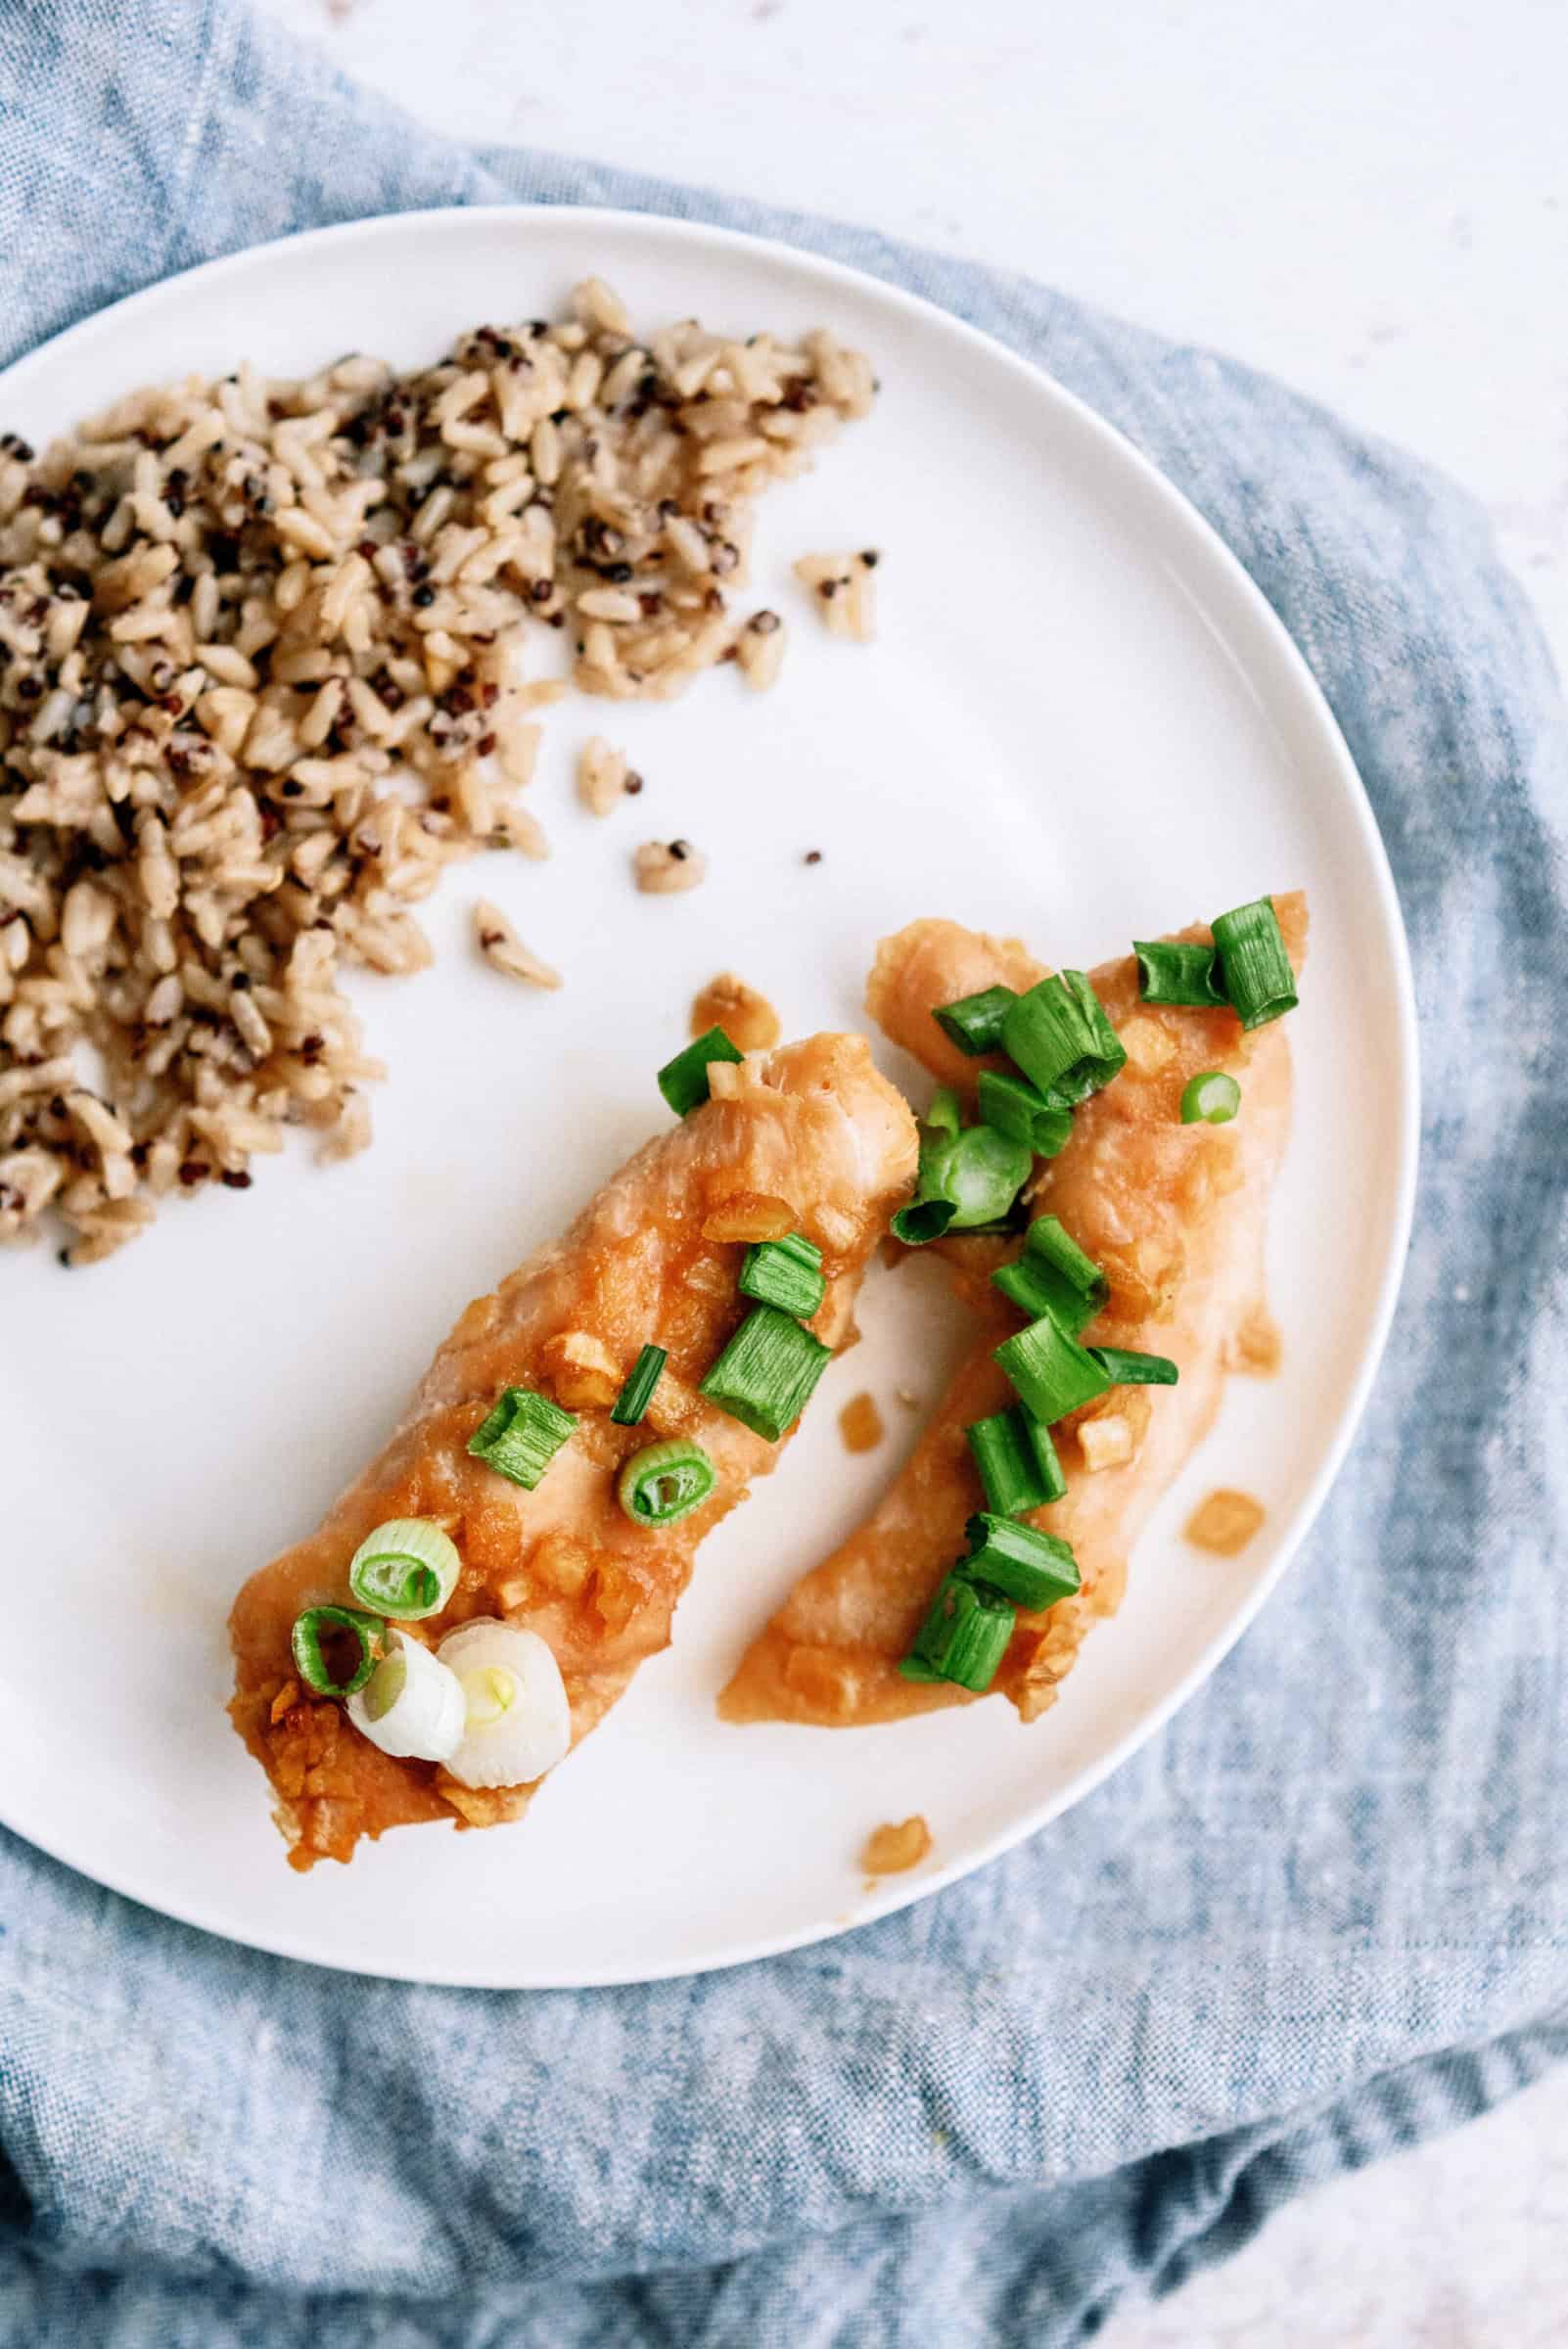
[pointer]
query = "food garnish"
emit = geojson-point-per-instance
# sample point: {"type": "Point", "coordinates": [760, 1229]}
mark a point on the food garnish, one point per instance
{"type": "Point", "coordinates": [665, 1482]}
{"type": "Point", "coordinates": [1211, 1099]}
{"type": "Point", "coordinates": [522, 1436]}
{"type": "Point", "coordinates": [787, 1273]}
{"type": "Point", "coordinates": [631, 1404]}
{"type": "Point", "coordinates": [412, 1705]}
{"type": "Point", "coordinates": [683, 1080]}
{"type": "Point", "coordinates": [767, 1374]}
{"type": "Point", "coordinates": [406, 1568]}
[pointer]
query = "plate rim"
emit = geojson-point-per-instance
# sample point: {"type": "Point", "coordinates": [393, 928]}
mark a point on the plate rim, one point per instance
{"type": "Point", "coordinates": [1311, 704]}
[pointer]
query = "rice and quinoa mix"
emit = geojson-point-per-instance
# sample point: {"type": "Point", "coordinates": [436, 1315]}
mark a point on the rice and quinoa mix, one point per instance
{"type": "Point", "coordinates": [262, 677]}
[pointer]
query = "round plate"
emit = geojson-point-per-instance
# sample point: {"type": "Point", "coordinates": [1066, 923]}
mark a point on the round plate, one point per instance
{"type": "Point", "coordinates": [1082, 724]}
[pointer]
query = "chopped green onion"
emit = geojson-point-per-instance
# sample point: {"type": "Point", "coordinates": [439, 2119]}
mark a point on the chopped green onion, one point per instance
{"type": "Point", "coordinates": [1014, 1106]}
{"type": "Point", "coordinates": [1035, 1289]}
{"type": "Point", "coordinates": [1050, 1239]}
{"type": "Point", "coordinates": [665, 1482]}
{"type": "Point", "coordinates": [1125, 1369]}
{"type": "Point", "coordinates": [683, 1080]}
{"type": "Point", "coordinates": [1209, 1099]}
{"type": "Point", "coordinates": [1176, 970]}
{"type": "Point", "coordinates": [967, 1180]}
{"type": "Point", "coordinates": [1059, 1035]}
{"type": "Point", "coordinates": [1050, 1371]}
{"type": "Point", "coordinates": [785, 1272]}
{"type": "Point", "coordinates": [631, 1404]}
{"type": "Point", "coordinates": [1054, 1275]}
{"type": "Point", "coordinates": [923, 1220]}
{"type": "Point", "coordinates": [1033, 1569]}
{"type": "Point", "coordinates": [1254, 965]}
{"type": "Point", "coordinates": [944, 1111]}
{"type": "Point", "coordinates": [982, 1175]}
{"type": "Point", "coordinates": [1019, 1470]}
{"type": "Point", "coordinates": [406, 1568]}
{"type": "Point", "coordinates": [522, 1436]}
{"type": "Point", "coordinates": [309, 1662]}
{"type": "Point", "coordinates": [975, 1022]}
{"type": "Point", "coordinates": [913, 1670]}
{"type": "Point", "coordinates": [767, 1374]}
{"type": "Point", "coordinates": [965, 1635]}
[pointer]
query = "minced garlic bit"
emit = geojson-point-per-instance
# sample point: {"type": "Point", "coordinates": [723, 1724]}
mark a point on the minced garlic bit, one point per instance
{"type": "Point", "coordinates": [760, 650]}
{"type": "Point", "coordinates": [843, 591]}
{"type": "Point", "coordinates": [750, 1216]}
{"type": "Point", "coordinates": [890, 1850]}
{"type": "Point", "coordinates": [662, 867]}
{"type": "Point", "coordinates": [1224, 1523]}
{"type": "Point", "coordinates": [1107, 1442]}
{"type": "Point", "coordinates": [747, 1018]}
{"type": "Point", "coordinates": [860, 1424]}
{"type": "Point", "coordinates": [603, 777]}
{"type": "Point", "coordinates": [500, 945]}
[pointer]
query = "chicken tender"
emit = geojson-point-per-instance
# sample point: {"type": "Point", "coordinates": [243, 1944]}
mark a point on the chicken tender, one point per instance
{"type": "Point", "coordinates": [812, 1126]}
{"type": "Point", "coordinates": [1175, 1217]}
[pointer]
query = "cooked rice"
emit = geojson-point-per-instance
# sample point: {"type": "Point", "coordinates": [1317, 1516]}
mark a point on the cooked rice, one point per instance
{"type": "Point", "coordinates": [261, 680]}
{"type": "Point", "coordinates": [843, 589]}
{"type": "Point", "coordinates": [501, 947]}
{"type": "Point", "coordinates": [603, 777]}
{"type": "Point", "coordinates": [760, 650]}
{"type": "Point", "coordinates": [664, 869]}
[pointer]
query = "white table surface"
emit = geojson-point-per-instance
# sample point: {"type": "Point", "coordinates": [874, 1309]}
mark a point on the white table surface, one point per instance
{"type": "Point", "coordinates": [1371, 201]}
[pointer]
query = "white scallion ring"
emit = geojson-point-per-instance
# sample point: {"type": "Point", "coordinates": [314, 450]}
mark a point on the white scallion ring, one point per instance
{"type": "Point", "coordinates": [518, 1721]}
{"type": "Point", "coordinates": [412, 1705]}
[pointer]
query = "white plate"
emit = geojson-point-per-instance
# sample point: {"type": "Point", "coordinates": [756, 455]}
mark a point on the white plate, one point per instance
{"type": "Point", "coordinates": [1082, 724]}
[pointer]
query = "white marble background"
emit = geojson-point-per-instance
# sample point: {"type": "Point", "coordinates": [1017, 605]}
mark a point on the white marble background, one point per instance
{"type": "Point", "coordinates": [1369, 197]}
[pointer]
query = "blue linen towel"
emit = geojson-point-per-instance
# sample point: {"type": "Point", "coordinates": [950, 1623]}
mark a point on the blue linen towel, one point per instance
{"type": "Point", "coordinates": [1321, 1916]}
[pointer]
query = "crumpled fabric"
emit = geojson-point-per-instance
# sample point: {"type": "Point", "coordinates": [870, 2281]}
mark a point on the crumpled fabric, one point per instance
{"type": "Point", "coordinates": [1320, 1915]}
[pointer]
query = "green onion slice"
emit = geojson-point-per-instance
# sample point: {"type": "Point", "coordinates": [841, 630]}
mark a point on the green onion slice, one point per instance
{"type": "Point", "coordinates": [1059, 1035]}
{"type": "Point", "coordinates": [1049, 1241]}
{"type": "Point", "coordinates": [1209, 1099]}
{"type": "Point", "coordinates": [1033, 1569]}
{"type": "Point", "coordinates": [406, 1568]}
{"type": "Point", "coordinates": [631, 1404]}
{"type": "Point", "coordinates": [1173, 970]}
{"type": "Point", "coordinates": [1254, 965]}
{"type": "Point", "coordinates": [785, 1272]}
{"type": "Point", "coordinates": [522, 1436]}
{"type": "Point", "coordinates": [1054, 1275]}
{"type": "Point", "coordinates": [683, 1080]}
{"type": "Point", "coordinates": [1014, 1106]}
{"type": "Point", "coordinates": [967, 1180]}
{"type": "Point", "coordinates": [317, 1624]}
{"type": "Point", "coordinates": [665, 1482]}
{"type": "Point", "coordinates": [944, 1111]}
{"type": "Point", "coordinates": [412, 1705]}
{"type": "Point", "coordinates": [965, 1635]}
{"type": "Point", "coordinates": [1019, 1470]}
{"type": "Point", "coordinates": [767, 1374]}
{"type": "Point", "coordinates": [923, 1220]}
{"type": "Point", "coordinates": [975, 1022]}
{"type": "Point", "coordinates": [1124, 1369]}
{"type": "Point", "coordinates": [1051, 1372]}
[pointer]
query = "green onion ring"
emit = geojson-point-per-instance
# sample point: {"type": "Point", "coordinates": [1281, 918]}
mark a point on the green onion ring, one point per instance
{"type": "Point", "coordinates": [311, 1665]}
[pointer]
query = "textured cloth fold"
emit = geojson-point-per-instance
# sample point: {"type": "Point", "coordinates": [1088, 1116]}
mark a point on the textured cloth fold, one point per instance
{"type": "Point", "coordinates": [1322, 1914]}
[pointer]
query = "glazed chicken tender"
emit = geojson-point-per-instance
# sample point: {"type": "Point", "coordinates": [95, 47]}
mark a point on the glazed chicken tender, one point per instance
{"type": "Point", "coordinates": [809, 1135]}
{"type": "Point", "coordinates": [1174, 1215]}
